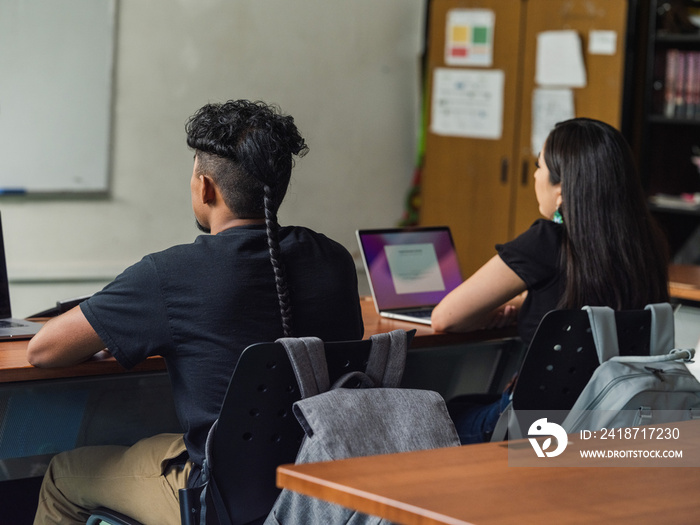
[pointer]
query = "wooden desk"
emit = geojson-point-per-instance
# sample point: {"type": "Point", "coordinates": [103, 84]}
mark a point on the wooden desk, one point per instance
{"type": "Point", "coordinates": [474, 484]}
{"type": "Point", "coordinates": [684, 284]}
{"type": "Point", "coordinates": [98, 402]}
{"type": "Point", "coordinates": [684, 281]}
{"type": "Point", "coordinates": [15, 367]}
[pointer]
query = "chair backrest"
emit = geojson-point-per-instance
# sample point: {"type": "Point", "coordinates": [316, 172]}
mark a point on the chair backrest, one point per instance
{"type": "Point", "coordinates": [562, 357]}
{"type": "Point", "coordinates": [257, 431]}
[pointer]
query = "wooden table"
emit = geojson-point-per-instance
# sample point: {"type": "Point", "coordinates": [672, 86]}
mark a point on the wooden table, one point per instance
{"type": "Point", "coordinates": [99, 402]}
{"type": "Point", "coordinates": [684, 284]}
{"type": "Point", "coordinates": [103, 377]}
{"type": "Point", "coordinates": [684, 281]}
{"type": "Point", "coordinates": [15, 367]}
{"type": "Point", "coordinates": [475, 484]}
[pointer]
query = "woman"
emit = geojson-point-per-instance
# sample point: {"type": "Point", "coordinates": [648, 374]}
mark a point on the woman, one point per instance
{"type": "Point", "coordinates": [597, 246]}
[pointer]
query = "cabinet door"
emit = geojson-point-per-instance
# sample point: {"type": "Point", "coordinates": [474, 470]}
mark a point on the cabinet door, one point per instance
{"type": "Point", "coordinates": [467, 182]}
{"type": "Point", "coordinates": [601, 98]}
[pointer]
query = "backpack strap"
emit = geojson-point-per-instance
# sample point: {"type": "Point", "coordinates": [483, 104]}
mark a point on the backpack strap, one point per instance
{"type": "Point", "coordinates": [209, 486]}
{"type": "Point", "coordinates": [662, 328]}
{"type": "Point", "coordinates": [501, 431]}
{"type": "Point", "coordinates": [604, 331]}
{"type": "Point", "coordinates": [385, 365]}
{"type": "Point", "coordinates": [677, 354]}
{"type": "Point", "coordinates": [308, 358]}
{"type": "Point", "coordinates": [387, 358]}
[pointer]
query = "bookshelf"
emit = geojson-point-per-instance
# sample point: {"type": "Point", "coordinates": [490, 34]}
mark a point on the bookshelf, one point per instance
{"type": "Point", "coordinates": [669, 144]}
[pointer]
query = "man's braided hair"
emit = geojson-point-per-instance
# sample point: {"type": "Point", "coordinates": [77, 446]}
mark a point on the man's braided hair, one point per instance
{"type": "Point", "coordinates": [247, 148]}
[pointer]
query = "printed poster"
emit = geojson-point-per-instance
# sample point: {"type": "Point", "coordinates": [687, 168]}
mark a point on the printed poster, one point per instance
{"type": "Point", "coordinates": [468, 103]}
{"type": "Point", "coordinates": [549, 106]}
{"type": "Point", "coordinates": [469, 37]}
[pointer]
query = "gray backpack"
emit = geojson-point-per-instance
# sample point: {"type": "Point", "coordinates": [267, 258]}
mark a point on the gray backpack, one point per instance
{"type": "Point", "coordinates": [373, 417]}
{"type": "Point", "coordinates": [624, 390]}
{"type": "Point", "coordinates": [627, 391]}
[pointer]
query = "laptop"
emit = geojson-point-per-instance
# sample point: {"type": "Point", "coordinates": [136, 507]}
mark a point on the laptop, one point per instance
{"type": "Point", "coordinates": [409, 269]}
{"type": "Point", "coordinates": [11, 328]}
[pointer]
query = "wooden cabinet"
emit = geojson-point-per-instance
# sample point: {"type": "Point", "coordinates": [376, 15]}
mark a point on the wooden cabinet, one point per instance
{"type": "Point", "coordinates": [483, 187]}
{"type": "Point", "coordinates": [669, 143]}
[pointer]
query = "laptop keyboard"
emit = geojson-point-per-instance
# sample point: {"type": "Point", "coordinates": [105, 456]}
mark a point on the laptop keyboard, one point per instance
{"type": "Point", "coordinates": [423, 313]}
{"type": "Point", "coordinates": [9, 324]}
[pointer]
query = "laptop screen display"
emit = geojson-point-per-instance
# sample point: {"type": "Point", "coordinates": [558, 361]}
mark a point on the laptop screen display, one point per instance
{"type": "Point", "coordinates": [409, 268]}
{"type": "Point", "coordinates": [5, 309]}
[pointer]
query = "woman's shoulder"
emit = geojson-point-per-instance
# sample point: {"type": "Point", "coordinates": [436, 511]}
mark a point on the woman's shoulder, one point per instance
{"type": "Point", "coordinates": [535, 254]}
{"type": "Point", "coordinates": [541, 232]}
{"type": "Point", "coordinates": [545, 227]}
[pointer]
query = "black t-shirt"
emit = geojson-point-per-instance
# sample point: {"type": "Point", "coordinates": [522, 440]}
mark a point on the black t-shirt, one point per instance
{"type": "Point", "coordinates": [200, 305]}
{"type": "Point", "coordinates": [535, 257]}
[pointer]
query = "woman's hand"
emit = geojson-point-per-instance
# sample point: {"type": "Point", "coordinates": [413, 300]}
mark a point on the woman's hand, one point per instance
{"type": "Point", "coordinates": [504, 316]}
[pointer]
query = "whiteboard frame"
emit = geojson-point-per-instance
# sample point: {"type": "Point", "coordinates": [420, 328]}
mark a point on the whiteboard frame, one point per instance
{"type": "Point", "coordinates": [57, 63]}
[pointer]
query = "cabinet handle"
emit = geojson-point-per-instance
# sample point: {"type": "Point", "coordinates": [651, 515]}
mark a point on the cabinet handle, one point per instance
{"type": "Point", "coordinates": [524, 173]}
{"type": "Point", "coordinates": [504, 170]}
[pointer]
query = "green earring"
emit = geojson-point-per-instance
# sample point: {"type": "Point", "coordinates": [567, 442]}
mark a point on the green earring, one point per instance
{"type": "Point", "coordinates": [557, 218]}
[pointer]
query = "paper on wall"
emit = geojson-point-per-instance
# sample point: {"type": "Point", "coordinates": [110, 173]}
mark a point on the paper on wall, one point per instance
{"type": "Point", "coordinates": [602, 42]}
{"type": "Point", "coordinates": [549, 106]}
{"type": "Point", "coordinates": [467, 103]}
{"type": "Point", "coordinates": [469, 37]}
{"type": "Point", "coordinates": [559, 60]}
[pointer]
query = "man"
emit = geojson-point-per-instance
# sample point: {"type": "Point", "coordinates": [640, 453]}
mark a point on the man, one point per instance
{"type": "Point", "coordinates": [199, 305]}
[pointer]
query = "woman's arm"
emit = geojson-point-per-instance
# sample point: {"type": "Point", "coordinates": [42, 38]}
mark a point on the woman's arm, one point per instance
{"type": "Point", "coordinates": [490, 298]}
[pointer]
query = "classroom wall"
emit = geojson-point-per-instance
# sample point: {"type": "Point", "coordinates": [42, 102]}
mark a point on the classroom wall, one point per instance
{"type": "Point", "coordinates": [347, 71]}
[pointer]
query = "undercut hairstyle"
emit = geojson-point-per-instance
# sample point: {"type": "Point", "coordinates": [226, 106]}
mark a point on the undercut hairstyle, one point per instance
{"type": "Point", "coordinates": [613, 252]}
{"type": "Point", "coordinates": [248, 150]}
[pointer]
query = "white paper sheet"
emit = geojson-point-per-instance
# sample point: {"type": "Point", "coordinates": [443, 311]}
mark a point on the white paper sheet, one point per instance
{"type": "Point", "coordinates": [560, 59]}
{"type": "Point", "coordinates": [468, 103]}
{"type": "Point", "coordinates": [549, 106]}
{"type": "Point", "coordinates": [602, 42]}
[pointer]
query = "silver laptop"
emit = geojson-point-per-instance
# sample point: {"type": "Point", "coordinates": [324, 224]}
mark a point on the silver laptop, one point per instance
{"type": "Point", "coordinates": [11, 328]}
{"type": "Point", "coordinates": [409, 269]}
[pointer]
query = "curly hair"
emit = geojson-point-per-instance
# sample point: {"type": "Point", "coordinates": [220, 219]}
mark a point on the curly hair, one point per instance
{"type": "Point", "coordinates": [247, 148]}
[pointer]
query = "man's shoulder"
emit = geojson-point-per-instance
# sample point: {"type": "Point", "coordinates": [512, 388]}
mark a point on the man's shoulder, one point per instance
{"type": "Point", "coordinates": [303, 233]}
{"type": "Point", "coordinates": [295, 241]}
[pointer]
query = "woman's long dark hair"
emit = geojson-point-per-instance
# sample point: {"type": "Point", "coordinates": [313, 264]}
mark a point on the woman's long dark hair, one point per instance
{"type": "Point", "coordinates": [248, 148]}
{"type": "Point", "coordinates": [613, 252]}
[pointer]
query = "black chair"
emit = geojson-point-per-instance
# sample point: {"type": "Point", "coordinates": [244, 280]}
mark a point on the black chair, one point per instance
{"type": "Point", "coordinates": [256, 432]}
{"type": "Point", "coordinates": [562, 357]}
{"type": "Point", "coordinates": [560, 361]}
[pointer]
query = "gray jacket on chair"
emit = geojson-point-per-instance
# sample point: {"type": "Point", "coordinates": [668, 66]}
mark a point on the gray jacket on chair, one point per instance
{"type": "Point", "coordinates": [375, 417]}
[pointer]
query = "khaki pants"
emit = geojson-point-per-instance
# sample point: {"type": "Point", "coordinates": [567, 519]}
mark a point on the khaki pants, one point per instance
{"type": "Point", "coordinates": [137, 481]}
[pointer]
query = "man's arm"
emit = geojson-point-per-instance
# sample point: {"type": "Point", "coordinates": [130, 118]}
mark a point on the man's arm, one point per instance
{"type": "Point", "coordinates": [64, 340]}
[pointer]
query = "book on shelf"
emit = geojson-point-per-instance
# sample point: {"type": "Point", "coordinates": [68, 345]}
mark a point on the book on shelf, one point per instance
{"type": "Point", "coordinates": [682, 84]}
{"type": "Point", "coordinates": [685, 201]}
{"type": "Point", "coordinates": [670, 83]}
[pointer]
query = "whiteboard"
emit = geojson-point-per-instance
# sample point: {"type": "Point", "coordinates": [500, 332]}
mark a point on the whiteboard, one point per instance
{"type": "Point", "coordinates": [56, 64]}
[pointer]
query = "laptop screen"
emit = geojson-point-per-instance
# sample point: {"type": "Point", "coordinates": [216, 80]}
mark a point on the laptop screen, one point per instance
{"type": "Point", "coordinates": [5, 309]}
{"type": "Point", "coordinates": [409, 268]}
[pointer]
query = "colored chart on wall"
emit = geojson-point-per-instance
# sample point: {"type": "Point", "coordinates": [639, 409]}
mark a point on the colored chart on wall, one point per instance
{"type": "Point", "coordinates": [469, 37]}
